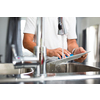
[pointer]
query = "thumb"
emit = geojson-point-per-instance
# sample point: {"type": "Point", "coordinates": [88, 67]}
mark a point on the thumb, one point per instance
{"type": "Point", "coordinates": [82, 50]}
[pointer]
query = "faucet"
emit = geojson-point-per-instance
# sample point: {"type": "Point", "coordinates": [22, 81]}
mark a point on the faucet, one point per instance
{"type": "Point", "coordinates": [61, 31]}
{"type": "Point", "coordinates": [39, 60]}
{"type": "Point", "coordinates": [61, 26]}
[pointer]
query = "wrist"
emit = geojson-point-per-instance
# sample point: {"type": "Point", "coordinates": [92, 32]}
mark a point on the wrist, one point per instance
{"type": "Point", "coordinates": [49, 52]}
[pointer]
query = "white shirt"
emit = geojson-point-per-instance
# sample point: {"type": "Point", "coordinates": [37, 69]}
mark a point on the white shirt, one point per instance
{"type": "Point", "coordinates": [52, 39]}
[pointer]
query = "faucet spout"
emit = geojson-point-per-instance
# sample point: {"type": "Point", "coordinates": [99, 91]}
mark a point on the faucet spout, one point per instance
{"type": "Point", "coordinates": [40, 52]}
{"type": "Point", "coordinates": [61, 31]}
{"type": "Point", "coordinates": [61, 26]}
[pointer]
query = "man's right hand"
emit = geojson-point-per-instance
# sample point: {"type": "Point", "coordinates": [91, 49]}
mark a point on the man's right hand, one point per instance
{"type": "Point", "coordinates": [57, 52]}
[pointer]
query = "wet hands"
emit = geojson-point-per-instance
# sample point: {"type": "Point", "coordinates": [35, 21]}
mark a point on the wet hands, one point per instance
{"type": "Point", "coordinates": [78, 51]}
{"type": "Point", "coordinates": [57, 52]}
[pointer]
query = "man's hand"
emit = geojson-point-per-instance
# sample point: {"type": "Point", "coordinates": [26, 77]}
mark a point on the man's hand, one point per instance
{"type": "Point", "coordinates": [57, 52]}
{"type": "Point", "coordinates": [80, 50]}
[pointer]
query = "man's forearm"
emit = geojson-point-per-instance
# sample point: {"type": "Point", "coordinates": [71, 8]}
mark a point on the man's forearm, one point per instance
{"type": "Point", "coordinates": [28, 41]}
{"type": "Point", "coordinates": [29, 45]}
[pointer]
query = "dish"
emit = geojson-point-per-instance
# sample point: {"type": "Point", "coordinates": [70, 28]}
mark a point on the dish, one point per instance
{"type": "Point", "coordinates": [68, 58]}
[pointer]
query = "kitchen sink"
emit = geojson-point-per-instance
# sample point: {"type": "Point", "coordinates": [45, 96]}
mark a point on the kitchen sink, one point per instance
{"type": "Point", "coordinates": [70, 67]}
{"type": "Point", "coordinates": [8, 69]}
{"type": "Point", "coordinates": [55, 73]}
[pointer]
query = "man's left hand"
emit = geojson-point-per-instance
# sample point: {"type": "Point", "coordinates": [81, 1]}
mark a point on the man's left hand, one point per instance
{"type": "Point", "coordinates": [78, 51]}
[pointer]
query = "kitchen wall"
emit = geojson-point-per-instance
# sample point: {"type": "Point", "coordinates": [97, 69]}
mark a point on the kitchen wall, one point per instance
{"type": "Point", "coordinates": [83, 23]}
{"type": "Point", "coordinates": [3, 33]}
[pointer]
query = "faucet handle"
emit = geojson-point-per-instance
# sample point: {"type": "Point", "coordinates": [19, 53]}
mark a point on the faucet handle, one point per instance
{"type": "Point", "coordinates": [61, 26]}
{"type": "Point", "coordinates": [14, 51]}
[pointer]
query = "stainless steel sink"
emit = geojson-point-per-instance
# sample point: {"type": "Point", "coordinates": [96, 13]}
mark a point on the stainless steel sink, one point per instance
{"type": "Point", "coordinates": [70, 67]}
{"type": "Point", "coordinates": [59, 73]}
{"type": "Point", "coordinates": [6, 69]}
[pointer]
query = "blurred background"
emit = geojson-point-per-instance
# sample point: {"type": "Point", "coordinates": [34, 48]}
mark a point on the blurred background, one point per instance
{"type": "Point", "coordinates": [11, 31]}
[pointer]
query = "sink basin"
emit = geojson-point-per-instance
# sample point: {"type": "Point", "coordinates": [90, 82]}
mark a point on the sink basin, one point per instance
{"type": "Point", "coordinates": [8, 69]}
{"type": "Point", "coordinates": [70, 67]}
{"type": "Point", "coordinates": [55, 73]}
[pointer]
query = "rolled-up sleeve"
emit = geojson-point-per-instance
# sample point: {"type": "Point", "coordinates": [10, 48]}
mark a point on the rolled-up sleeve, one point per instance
{"type": "Point", "coordinates": [71, 32]}
{"type": "Point", "coordinates": [30, 25]}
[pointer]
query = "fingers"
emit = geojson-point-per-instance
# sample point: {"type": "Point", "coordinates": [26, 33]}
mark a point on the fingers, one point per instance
{"type": "Point", "coordinates": [81, 50]}
{"type": "Point", "coordinates": [58, 56]}
{"type": "Point", "coordinates": [80, 59]}
{"type": "Point", "coordinates": [58, 52]}
{"type": "Point", "coordinates": [84, 56]}
{"type": "Point", "coordinates": [67, 52]}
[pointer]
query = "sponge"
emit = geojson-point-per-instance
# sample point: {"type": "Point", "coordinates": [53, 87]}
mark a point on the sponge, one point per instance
{"type": "Point", "coordinates": [66, 56]}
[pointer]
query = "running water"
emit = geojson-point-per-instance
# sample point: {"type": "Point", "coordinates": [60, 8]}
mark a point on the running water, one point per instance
{"type": "Point", "coordinates": [62, 46]}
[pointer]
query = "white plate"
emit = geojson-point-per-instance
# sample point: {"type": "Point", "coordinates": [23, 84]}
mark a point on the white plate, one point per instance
{"type": "Point", "coordinates": [68, 58]}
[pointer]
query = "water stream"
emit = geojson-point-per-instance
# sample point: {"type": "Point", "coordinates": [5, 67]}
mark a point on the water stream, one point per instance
{"type": "Point", "coordinates": [62, 46]}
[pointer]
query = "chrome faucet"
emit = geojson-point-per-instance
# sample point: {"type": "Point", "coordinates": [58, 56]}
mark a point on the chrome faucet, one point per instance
{"type": "Point", "coordinates": [39, 60]}
{"type": "Point", "coordinates": [61, 31]}
{"type": "Point", "coordinates": [61, 26]}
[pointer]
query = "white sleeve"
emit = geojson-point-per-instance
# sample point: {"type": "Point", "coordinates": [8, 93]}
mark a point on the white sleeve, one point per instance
{"type": "Point", "coordinates": [30, 26]}
{"type": "Point", "coordinates": [71, 32]}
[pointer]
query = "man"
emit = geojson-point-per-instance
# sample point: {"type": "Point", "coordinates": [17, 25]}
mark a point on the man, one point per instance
{"type": "Point", "coordinates": [53, 41]}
